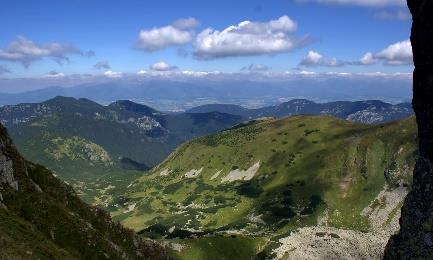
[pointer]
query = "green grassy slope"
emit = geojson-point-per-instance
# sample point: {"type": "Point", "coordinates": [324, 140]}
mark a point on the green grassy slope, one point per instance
{"type": "Point", "coordinates": [90, 163]}
{"type": "Point", "coordinates": [41, 217]}
{"type": "Point", "coordinates": [98, 149]}
{"type": "Point", "coordinates": [270, 177]}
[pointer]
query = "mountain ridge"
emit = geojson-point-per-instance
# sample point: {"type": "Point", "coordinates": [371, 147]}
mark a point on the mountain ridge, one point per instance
{"type": "Point", "coordinates": [368, 111]}
{"type": "Point", "coordinates": [93, 146]}
{"type": "Point", "coordinates": [86, 143]}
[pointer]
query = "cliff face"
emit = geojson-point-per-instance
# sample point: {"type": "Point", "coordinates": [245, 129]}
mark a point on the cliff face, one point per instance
{"type": "Point", "coordinates": [415, 238]}
{"type": "Point", "coordinates": [41, 217]}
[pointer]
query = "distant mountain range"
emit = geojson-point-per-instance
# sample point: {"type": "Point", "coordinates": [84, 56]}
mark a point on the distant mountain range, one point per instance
{"type": "Point", "coordinates": [91, 145]}
{"type": "Point", "coordinates": [369, 112]}
{"type": "Point", "coordinates": [183, 94]}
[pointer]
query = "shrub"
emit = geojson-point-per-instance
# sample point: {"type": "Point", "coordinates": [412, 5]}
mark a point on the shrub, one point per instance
{"type": "Point", "coordinates": [309, 132]}
{"type": "Point", "coordinates": [249, 190]}
{"type": "Point", "coordinates": [219, 200]}
{"type": "Point", "coordinates": [172, 188]}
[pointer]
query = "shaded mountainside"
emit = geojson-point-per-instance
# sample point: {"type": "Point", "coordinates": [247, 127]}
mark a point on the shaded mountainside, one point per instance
{"type": "Point", "coordinates": [269, 184]}
{"type": "Point", "coordinates": [41, 217]}
{"type": "Point", "coordinates": [369, 112]}
{"type": "Point", "coordinates": [124, 128]}
{"type": "Point", "coordinates": [100, 148]}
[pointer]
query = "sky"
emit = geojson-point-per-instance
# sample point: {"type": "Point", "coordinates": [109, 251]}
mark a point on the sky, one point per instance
{"type": "Point", "coordinates": [60, 39]}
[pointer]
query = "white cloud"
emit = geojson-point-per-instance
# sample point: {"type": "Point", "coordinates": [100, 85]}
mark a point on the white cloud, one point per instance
{"type": "Point", "coordinates": [160, 38]}
{"type": "Point", "coordinates": [256, 67]}
{"type": "Point", "coordinates": [247, 39]}
{"type": "Point", "coordinates": [312, 58]}
{"type": "Point", "coordinates": [368, 59]}
{"type": "Point", "coordinates": [102, 65]}
{"type": "Point", "coordinates": [26, 51]}
{"type": "Point", "coordinates": [141, 72]}
{"type": "Point", "coordinates": [54, 74]}
{"type": "Point", "coordinates": [196, 74]}
{"type": "Point", "coordinates": [399, 53]}
{"type": "Point", "coordinates": [113, 74]}
{"type": "Point", "coordinates": [315, 59]}
{"type": "Point", "coordinates": [162, 66]}
{"type": "Point", "coordinates": [203, 78]}
{"type": "Point", "coordinates": [186, 23]}
{"type": "Point", "coordinates": [366, 3]}
{"type": "Point", "coordinates": [178, 33]}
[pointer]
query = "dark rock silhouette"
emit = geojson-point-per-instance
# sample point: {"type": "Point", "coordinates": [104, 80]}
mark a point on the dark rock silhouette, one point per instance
{"type": "Point", "coordinates": [415, 239]}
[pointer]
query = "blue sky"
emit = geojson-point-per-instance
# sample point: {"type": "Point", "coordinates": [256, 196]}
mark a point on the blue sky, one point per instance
{"type": "Point", "coordinates": [325, 36]}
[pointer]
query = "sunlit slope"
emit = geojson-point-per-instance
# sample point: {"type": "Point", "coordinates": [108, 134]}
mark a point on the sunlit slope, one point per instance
{"type": "Point", "coordinates": [273, 176]}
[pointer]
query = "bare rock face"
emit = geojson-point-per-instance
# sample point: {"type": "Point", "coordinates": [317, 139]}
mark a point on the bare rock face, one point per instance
{"type": "Point", "coordinates": [6, 171]}
{"type": "Point", "coordinates": [6, 168]}
{"type": "Point", "coordinates": [415, 239]}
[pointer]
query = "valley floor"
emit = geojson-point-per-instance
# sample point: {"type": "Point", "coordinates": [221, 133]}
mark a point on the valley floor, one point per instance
{"type": "Point", "coordinates": [306, 243]}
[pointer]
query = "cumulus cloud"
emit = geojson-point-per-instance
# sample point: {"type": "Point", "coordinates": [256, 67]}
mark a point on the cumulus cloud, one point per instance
{"type": "Point", "coordinates": [162, 66]}
{"type": "Point", "coordinates": [26, 51]}
{"type": "Point", "coordinates": [366, 3]}
{"type": "Point", "coordinates": [113, 74]}
{"type": "Point", "coordinates": [178, 33]}
{"type": "Point", "coordinates": [4, 70]}
{"type": "Point", "coordinates": [248, 39]}
{"type": "Point", "coordinates": [368, 59]}
{"type": "Point", "coordinates": [399, 53]}
{"type": "Point", "coordinates": [256, 68]}
{"type": "Point", "coordinates": [315, 59]}
{"type": "Point", "coordinates": [102, 65]}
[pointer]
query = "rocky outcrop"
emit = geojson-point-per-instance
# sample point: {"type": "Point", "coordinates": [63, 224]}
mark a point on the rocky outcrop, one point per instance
{"type": "Point", "coordinates": [415, 239]}
{"type": "Point", "coordinates": [6, 168]}
{"type": "Point", "coordinates": [6, 171]}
